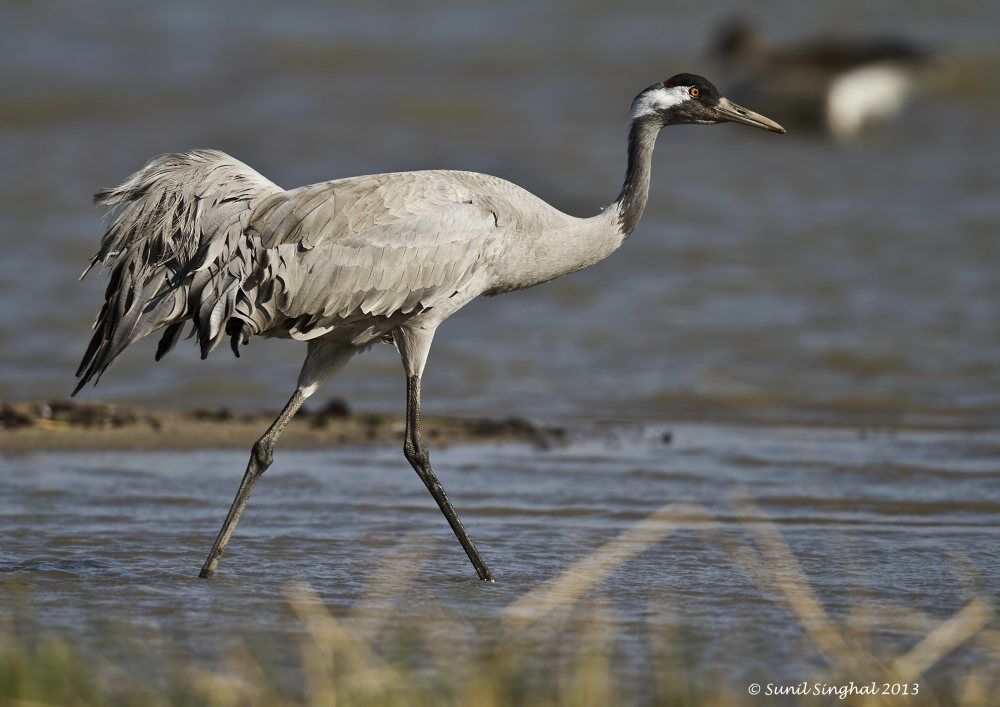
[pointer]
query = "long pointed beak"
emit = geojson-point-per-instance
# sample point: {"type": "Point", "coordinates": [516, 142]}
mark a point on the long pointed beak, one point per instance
{"type": "Point", "coordinates": [733, 113]}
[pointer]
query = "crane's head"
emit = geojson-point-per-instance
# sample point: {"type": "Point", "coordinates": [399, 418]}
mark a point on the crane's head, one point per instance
{"type": "Point", "coordinates": [687, 98]}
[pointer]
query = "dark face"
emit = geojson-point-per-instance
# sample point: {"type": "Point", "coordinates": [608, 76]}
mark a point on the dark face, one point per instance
{"type": "Point", "coordinates": [687, 98]}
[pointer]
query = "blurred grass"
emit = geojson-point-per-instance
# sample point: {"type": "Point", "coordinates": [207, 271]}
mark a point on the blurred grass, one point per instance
{"type": "Point", "coordinates": [559, 644]}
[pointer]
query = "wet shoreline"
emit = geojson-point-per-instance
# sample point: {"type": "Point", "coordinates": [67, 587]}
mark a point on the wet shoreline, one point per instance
{"type": "Point", "coordinates": [70, 426]}
{"type": "Point", "coordinates": [67, 425]}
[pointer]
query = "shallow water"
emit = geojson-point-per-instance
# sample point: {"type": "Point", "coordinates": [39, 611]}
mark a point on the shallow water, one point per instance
{"type": "Point", "coordinates": [903, 520]}
{"type": "Point", "coordinates": [784, 278]}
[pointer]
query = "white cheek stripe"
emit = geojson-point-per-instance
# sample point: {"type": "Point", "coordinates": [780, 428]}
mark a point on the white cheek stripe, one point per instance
{"type": "Point", "coordinates": [660, 99]}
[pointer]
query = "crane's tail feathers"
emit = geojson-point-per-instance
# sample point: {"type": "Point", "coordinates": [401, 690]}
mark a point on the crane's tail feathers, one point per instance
{"type": "Point", "coordinates": [177, 249]}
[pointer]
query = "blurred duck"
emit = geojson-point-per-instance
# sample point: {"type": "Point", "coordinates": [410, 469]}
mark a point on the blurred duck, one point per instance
{"type": "Point", "coordinates": [837, 85]}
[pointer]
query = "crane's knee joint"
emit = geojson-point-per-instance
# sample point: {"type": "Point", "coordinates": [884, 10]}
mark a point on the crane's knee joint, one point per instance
{"type": "Point", "coordinates": [263, 453]}
{"type": "Point", "coordinates": [415, 453]}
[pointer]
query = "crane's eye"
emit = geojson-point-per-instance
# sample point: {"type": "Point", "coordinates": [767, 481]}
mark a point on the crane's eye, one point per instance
{"type": "Point", "coordinates": [693, 92]}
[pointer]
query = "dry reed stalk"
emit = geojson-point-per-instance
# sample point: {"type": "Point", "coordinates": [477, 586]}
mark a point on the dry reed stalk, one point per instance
{"type": "Point", "coordinates": [558, 595]}
{"type": "Point", "coordinates": [792, 584]}
{"type": "Point", "coordinates": [944, 639]}
{"type": "Point", "coordinates": [368, 617]}
{"type": "Point", "coordinates": [331, 643]}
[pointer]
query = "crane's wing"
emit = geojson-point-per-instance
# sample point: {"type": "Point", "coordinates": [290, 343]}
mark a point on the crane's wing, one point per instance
{"type": "Point", "coordinates": [179, 215]}
{"type": "Point", "coordinates": [201, 237]}
{"type": "Point", "coordinates": [367, 247]}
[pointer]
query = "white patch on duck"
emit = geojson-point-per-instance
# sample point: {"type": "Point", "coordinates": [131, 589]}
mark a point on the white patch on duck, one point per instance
{"type": "Point", "coordinates": [866, 95]}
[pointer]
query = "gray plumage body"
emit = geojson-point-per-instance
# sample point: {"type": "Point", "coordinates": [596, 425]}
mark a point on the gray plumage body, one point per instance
{"type": "Point", "coordinates": [200, 237]}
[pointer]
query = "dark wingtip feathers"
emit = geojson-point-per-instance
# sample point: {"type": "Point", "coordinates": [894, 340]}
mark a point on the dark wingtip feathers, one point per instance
{"type": "Point", "coordinates": [168, 340]}
{"type": "Point", "coordinates": [156, 218]}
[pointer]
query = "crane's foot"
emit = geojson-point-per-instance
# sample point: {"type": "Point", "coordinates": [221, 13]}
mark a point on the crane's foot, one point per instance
{"type": "Point", "coordinates": [481, 569]}
{"type": "Point", "coordinates": [206, 572]}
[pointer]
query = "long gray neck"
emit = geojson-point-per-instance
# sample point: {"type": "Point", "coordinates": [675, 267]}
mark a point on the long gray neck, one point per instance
{"type": "Point", "coordinates": [631, 201]}
{"type": "Point", "coordinates": [563, 244]}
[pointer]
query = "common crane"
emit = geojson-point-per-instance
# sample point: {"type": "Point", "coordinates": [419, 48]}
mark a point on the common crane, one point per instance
{"type": "Point", "coordinates": [200, 237]}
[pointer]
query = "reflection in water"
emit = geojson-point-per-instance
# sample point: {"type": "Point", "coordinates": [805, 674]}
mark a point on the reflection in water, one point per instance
{"type": "Point", "coordinates": [804, 280]}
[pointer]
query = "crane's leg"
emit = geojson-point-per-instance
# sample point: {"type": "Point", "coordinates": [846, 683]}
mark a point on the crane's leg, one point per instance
{"type": "Point", "coordinates": [414, 345]}
{"type": "Point", "coordinates": [260, 459]}
{"type": "Point", "coordinates": [322, 361]}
